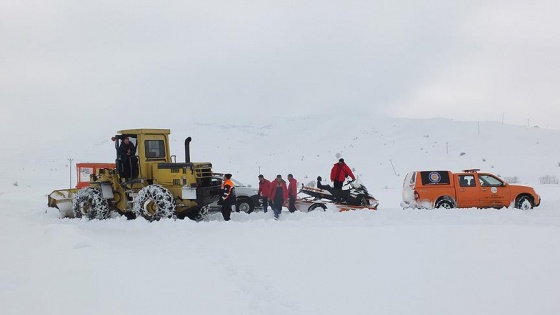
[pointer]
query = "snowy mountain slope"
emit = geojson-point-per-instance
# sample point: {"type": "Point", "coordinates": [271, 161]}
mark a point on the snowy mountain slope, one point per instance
{"type": "Point", "coordinates": [381, 153]}
{"type": "Point", "coordinates": [308, 146]}
{"type": "Point", "coordinates": [390, 261]}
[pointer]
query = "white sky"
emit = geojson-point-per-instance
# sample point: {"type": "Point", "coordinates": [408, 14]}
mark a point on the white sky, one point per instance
{"type": "Point", "coordinates": [91, 65]}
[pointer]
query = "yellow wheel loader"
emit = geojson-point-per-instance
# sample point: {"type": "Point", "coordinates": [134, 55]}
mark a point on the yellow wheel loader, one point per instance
{"type": "Point", "coordinates": [147, 184]}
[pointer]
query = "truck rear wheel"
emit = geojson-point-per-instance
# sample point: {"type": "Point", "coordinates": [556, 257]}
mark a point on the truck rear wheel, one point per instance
{"type": "Point", "coordinates": [445, 204]}
{"type": "Point", "coordinates": [87, 202]}
{"type": "Point", "coordinates": [154, 202]}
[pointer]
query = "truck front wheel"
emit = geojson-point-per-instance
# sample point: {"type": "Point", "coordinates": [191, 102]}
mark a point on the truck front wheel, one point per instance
{"type": "Point", "coordinates": [524, 203]}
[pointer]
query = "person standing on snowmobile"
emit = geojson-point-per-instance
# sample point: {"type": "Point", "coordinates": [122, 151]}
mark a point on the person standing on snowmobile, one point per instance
{"type": "Point", "coordinates": [292, 193]}
{"type": "Point", "coordinates": [264, 191]}
{"type": "Point", "coordinates": [339, 172]}
{"type": "Point", "coordinates": [278, 195]}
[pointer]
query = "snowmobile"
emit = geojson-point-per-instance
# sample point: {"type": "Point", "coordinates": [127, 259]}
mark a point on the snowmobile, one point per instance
{"type": "Point", "coordinates": [353, 198]}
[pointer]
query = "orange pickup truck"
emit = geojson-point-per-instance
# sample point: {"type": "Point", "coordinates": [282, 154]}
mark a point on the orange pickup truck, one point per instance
{"type": "Point", "coordinates": [469, 189]}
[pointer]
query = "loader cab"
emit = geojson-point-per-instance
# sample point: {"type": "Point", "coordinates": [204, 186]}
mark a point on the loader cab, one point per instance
{"type": "Point", "coordinates": [152, 147]}
{"type": "Point", "coordinates": [126, 167]}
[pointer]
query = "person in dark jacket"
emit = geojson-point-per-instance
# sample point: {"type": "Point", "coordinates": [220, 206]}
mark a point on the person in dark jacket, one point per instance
{"type": "Point", "coordinates": [339, 172]}
{"type": "Point", "coordinates": [264, 191]}
{"type": "Point", "coordinates": [227, 198]}
{"type": "Point", "coordinates": [127, 155]}
{"type": "Point", "coordinates": [292, 193]}
{"type": "Point", "coordinates": [278, 195]}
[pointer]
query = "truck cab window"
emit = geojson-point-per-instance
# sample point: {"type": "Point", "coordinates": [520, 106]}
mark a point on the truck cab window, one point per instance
{"type": "Point", "coordinates": [466, 181]}
{"type": "Point", "coordinates": [490, 181]}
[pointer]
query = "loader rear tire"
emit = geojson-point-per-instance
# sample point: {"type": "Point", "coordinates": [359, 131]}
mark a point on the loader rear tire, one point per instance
{"type": "Point", "coordinates": [87, 202]}
{"type": "Point", "coordinates": [154, 202]}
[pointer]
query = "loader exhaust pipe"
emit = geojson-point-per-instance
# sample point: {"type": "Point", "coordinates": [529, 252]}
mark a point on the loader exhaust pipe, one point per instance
{"type": "Point", "coordinates": [187, 150]}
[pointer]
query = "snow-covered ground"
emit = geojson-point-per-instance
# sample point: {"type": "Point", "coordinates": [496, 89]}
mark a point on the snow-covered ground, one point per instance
{"type": "Point", "coordinates": [390, 261]}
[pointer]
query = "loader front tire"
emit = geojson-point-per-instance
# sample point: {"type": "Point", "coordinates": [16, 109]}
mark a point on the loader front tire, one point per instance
{"type": "Point", "coordinates": [87, 202]}
{"type": "Point", "coordinates": [154, 202]}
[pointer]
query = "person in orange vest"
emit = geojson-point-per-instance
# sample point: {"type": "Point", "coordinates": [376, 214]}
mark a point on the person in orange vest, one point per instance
{"type": "Point", "coordinates": [339, 172]}
{"type": "Point", "coordinates": [278, 195]}
{"type": "Point", "coordinates": [264, 191]}
{"type": "Point", "coordinates": [292, 193]}
{"type": "Point", "coordinates": [227, 198]}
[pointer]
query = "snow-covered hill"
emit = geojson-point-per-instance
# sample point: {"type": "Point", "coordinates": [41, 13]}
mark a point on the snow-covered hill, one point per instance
{"type": "Point", "coordinates": [390, 261]}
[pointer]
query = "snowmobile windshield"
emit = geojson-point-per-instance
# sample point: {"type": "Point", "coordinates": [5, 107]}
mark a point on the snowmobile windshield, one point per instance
{"type": "Point", "coordinates": [355, 183]}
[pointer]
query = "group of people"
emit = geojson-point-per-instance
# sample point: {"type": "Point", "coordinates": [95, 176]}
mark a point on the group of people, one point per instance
{"type": "Point", "coordinates": [277, 194]}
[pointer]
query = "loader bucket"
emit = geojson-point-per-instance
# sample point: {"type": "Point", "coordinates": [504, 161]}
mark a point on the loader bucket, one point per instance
{"type": "Point", "coordinates": [62, 200]}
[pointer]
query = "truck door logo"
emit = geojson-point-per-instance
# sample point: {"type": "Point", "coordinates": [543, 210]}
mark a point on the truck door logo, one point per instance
{"type": "Point", "coordinates": [494, 190]}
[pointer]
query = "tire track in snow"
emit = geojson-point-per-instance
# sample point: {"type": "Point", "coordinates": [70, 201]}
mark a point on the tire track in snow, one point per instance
{"type": "Point", "coordinates": [264, 297]}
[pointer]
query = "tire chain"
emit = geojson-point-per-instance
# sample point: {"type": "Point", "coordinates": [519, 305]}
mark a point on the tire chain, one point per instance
{"type": "Point", "coordinates": [160, 196]}
{"type": "Point", "coordinates": [99, 208]}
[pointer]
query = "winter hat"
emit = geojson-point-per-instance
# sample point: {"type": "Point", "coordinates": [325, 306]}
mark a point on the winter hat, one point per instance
{"type": "Point", "coordinates": [341, 160]}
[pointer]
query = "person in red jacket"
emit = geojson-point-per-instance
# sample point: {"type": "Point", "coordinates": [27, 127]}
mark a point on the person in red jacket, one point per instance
{"type": "Point", "coordinates": [278, 195]}
{"type": "Point", "coordinates": [264, 191]}
{"type": "Point", "coordinates": [292, 193]}
{"type": "Point", "coordinates": [339, 172]}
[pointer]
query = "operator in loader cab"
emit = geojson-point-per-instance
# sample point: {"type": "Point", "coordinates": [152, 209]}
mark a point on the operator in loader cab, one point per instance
{"type": "Point", "coordinates": [339, 172]}
{"type": "Point", "coordinates": [127, 155]}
